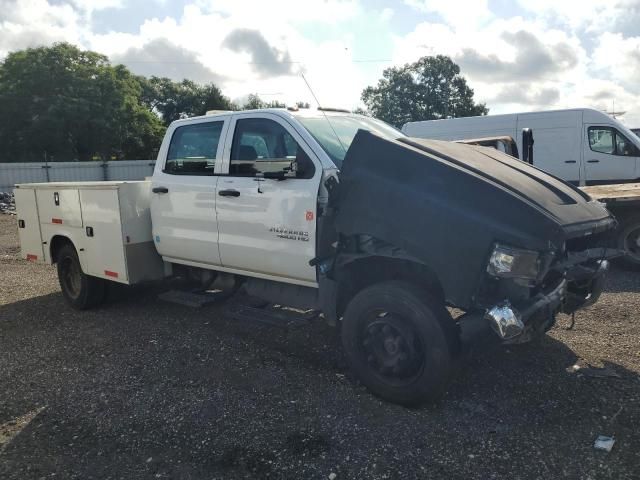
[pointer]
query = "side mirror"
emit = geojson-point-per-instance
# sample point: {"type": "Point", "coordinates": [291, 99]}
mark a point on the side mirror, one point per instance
{"type": "Point", "coordinates": [527, 145]}
{"type": "Point", "coordinates": [302, 166]}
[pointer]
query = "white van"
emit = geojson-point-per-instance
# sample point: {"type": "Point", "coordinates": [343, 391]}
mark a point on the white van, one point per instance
{"type": "Point", "coordinates": [582, 146]}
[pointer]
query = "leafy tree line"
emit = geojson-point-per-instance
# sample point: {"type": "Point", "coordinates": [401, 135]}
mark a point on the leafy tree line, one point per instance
{"type": "Point", "coordinates": [71, 104]}
{"type": "Point", "coordinates": [429, 89]}
{"type": "Point", "coordinates": [62, 103]}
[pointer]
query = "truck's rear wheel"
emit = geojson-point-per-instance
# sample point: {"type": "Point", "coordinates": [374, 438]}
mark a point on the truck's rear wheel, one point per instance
{"type": "Point", "coordinates": [397, 344]}
{"type": "Point", "coordinates": [80, 290]}
{"type": "Point", "coordinates": [629, 241]}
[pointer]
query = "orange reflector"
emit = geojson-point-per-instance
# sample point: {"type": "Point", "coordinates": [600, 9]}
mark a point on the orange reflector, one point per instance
{"type": "Point", "coordinates": [31, 257]}
{"type": "Point", "coordinates": [56, 220]}
{"type": "Point", "coordinates": [109, 273]}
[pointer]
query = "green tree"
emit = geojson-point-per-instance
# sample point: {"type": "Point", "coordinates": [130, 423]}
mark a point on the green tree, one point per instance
{"type": "Point", "coordinates": [431, 88]}
{"type": "Point", "coordinates": [174, 100]}
{"type": "Point", "coordinates": [361, 111]}
{"type": "Point", "coordinates": [254, 102]}
{"type": "Point", "coordinates": [70, 104]}
{"type": "Point", "coordinates": [275, 104]}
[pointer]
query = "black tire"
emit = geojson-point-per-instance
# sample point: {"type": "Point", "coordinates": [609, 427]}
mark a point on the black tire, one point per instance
{"type": "Point", "coordinates": [627, 239]}
{"type": "Point", "coordinates": [399, 342]}
{"type": "Point", "coordinates": [80, 290]}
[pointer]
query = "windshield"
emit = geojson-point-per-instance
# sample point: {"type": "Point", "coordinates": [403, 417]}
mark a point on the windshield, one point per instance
{"type": "Point", "coordinates": [345, 127]}
{"type": "Point", "coordinates": [631, 134]}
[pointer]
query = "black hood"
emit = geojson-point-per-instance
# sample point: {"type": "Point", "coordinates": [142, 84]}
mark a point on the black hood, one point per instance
{"type": "Point", "coordinates": [447, 204]}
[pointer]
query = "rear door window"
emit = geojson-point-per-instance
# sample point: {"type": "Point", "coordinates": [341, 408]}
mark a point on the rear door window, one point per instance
{"type": "Point", "coordinates": [193, 149]}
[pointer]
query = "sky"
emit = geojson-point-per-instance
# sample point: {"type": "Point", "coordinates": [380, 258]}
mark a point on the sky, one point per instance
{"type": "Point", "coordinates": [517, 55]}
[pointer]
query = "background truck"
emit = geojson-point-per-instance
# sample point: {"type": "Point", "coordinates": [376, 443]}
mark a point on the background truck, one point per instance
{"type": "Point", "coordinates": [582, 146]}
{"type": "Point", "coordinates": [343, 214]}
{"type": "Point", "coordinates": [623, 200]}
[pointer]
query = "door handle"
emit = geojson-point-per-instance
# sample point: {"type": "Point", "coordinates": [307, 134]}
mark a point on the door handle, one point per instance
{"type": "Point", "coordinates": [569, 161]}
{"type": "Point", "coordinates": [593, 161]}
{"type": "Point", "coordinates": [160, 190]}
{"type": "Point", "coordinates": [229, 193]}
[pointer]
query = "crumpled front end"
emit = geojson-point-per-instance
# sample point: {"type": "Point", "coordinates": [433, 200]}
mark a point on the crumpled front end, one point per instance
{"type": "Point", "coordinates": [509, 244]}
{"type": "Point", "coordinates": [518, 310]}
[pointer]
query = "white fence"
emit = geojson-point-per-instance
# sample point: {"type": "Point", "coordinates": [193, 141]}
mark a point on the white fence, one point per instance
{"type": "Point", "coordinates": [12, 173]}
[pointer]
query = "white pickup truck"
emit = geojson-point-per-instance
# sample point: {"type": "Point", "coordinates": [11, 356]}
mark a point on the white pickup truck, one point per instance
{"type": "Point", "coordinates": [344, 214]}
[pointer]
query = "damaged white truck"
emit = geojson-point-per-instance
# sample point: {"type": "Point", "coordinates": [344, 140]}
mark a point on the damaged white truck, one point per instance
{"type": "Point", "coordinates": [343, 214]}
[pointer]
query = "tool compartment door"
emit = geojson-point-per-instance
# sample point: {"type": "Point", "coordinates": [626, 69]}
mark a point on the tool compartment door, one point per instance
{"type": "Point", "coordinates": [59, 206]}
{"type": "Point", "coordinates": [28, 225]}
{"type": "Point", "coordinates": [102, 240]}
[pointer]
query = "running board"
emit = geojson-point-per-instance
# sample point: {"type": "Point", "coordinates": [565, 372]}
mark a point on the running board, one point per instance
{"type": "Point", "coordinates": [194, 299]}
{"type": "Point", "coordinates": [275, 316]}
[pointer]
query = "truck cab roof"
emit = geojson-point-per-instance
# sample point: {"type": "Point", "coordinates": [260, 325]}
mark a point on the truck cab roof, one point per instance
{"type": "Point", "coordinates": [282, 112]}
{"type": "Point", "coordinates": [331, 130]}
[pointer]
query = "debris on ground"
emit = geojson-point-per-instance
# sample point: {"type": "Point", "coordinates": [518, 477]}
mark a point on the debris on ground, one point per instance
{"type": "Point", "coordinates": [604, 443]}
{"type": "Point", "coordinates": [615, 415]}
{"type": "Point", "coordinates": [7, 203]}
{"type": "Point", "coordinates": [594, 372]}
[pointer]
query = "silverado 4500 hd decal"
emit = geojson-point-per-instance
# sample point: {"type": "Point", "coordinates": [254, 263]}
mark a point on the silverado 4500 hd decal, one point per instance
{"type": "Point", "coordinates": [290, 234]}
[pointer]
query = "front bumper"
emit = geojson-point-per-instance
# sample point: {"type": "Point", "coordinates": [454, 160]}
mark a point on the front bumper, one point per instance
{"type": "Point", "coordinates": [526, 320]}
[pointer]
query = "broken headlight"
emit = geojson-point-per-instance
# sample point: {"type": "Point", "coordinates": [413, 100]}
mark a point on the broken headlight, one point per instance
{"type": "Point", "coordinates": [511, 262]}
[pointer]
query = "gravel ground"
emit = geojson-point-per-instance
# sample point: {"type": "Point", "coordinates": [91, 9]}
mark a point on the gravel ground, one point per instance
{"type": "Point", "coordinates": [144, 389]}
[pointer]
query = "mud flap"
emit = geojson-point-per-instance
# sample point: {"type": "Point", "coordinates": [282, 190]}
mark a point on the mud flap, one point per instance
{"type": "Point", "coordinates": [328, 299]}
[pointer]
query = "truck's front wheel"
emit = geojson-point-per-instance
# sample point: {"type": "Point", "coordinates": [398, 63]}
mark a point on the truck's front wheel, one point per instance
{"type": "Point", "coordinates": [80, 290]}
{"type": "Point", "coordinates": [397, 344]}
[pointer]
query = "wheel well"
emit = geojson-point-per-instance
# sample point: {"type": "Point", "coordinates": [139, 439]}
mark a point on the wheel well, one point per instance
{"type": "Point", "coordinates": [57, 242]}
{"type": "Point", "coordinates": [367, 271]}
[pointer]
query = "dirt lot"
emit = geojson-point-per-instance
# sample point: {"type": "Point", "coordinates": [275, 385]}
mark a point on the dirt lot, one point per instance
{"type": "Point", "coordinates": [144, 389]}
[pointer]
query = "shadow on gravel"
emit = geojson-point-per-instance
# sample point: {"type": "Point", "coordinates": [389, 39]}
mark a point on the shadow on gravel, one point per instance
{"type": "Point", "coordinates": [620, 280]}
{"type": "Point", "coordinates": [143, 389]}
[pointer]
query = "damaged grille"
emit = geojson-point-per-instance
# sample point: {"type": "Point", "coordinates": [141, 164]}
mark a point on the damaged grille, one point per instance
{"type": "Point", "coordinates": [579, 244]}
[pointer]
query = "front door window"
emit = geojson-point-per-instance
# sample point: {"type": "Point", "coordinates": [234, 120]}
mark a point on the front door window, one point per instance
{"type": "Point", "coordinates": [610, 141]}
{"type": "Point", "coordinates": [264, 147]}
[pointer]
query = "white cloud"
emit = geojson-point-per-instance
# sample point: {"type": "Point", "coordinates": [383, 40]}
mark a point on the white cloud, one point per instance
{"type": "Point", "coordinates": [619, 58]}
{"type": "Point", "coordinates": [595, 16]}
{"type": "Point", "coordinates": [386, 14]}
{"type": "Point", "coordinates": [268, 12]}
{"type": "Point", "coordinates": [31, 23]}
{"type": "Point", "coordinates": [520, 64]}
{"type": "Point", "coordinates": [161, 58]}
{"type": "Point", "coordinates": [556, 54]}
{"type": "Point", "coordinates": [202, 30]}
{"type": "Point", "coordinates": [459, 13]}
{"type": "Point", "coordinates": [615, 64]}
{"type": "Point", "coordinates": [94, 5]}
